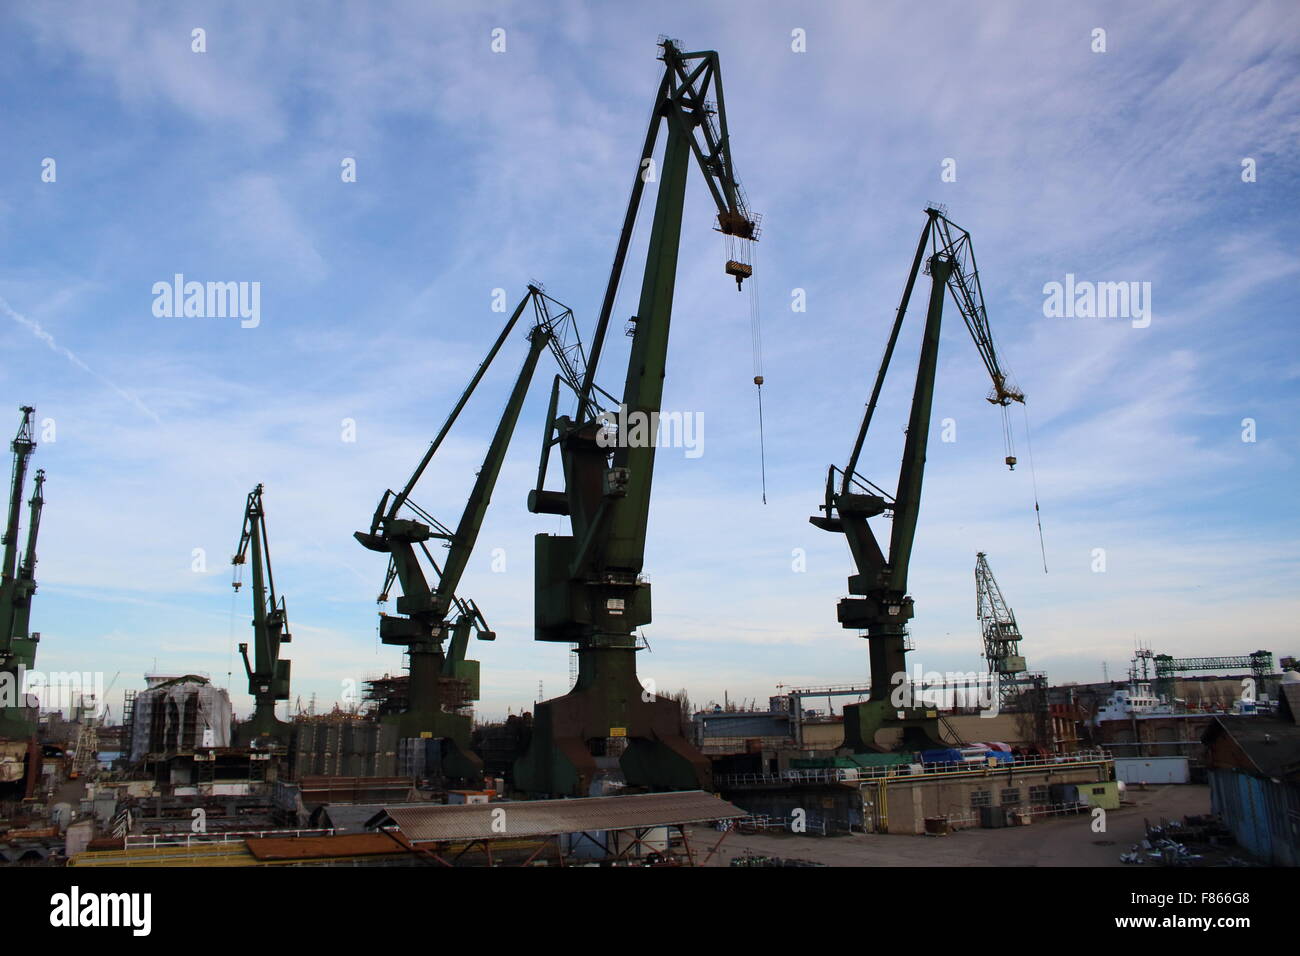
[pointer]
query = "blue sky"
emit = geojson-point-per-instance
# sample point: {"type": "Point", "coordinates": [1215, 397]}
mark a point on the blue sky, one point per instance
{"type": "Point", "coordinates": [480, 170]}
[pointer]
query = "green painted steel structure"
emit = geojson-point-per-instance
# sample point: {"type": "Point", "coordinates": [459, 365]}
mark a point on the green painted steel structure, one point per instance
{"type": "Point", "coordinates": [590, 591]}
{"type": "Point", "coordinates": [1259, 663]}
{"type": "Point", "coordinates": [879, 603]}
{"type": "Point", "coordinates": [429, 616]}
{"type": "Point", "coordinates": [18, 584]}
{"type": "Point", "coordinates": [268, 673]}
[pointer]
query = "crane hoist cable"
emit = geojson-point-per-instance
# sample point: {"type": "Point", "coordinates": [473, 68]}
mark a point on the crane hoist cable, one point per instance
{"type": "Point", "coordinates": [230, 662]}
{"type": "Point", "coordinates": [964, 284]}
{"type": "Point", "coordinates": [1033, 478]}
{"type": "Point", "coordinates": [1007, 439]}
{"type": "Point", "coordinates": [756, 336]}
{"type": "Point", "coordinates": [762, 451]}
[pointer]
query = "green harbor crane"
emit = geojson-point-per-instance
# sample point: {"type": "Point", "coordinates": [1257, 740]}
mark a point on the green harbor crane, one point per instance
{"type": "Point", "coordinates": [590, 591]}
{"type": "Point", "coordinates": [441, 680]}
{"type": "Point", "coordinates": [1001, 635]}
{"type": "Point", "coordinates": [268, 674]}
{"type": "Point", "coordinates": [17, 585]}
{"type": "Point", "coordinates": [879, 603]}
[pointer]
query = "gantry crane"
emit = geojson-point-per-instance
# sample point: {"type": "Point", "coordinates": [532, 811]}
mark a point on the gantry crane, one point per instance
{"type": "Point", "coordinates": [1001, 634]}
{"type": "Point", "coordinates": [590, 591]}
{"type": "Point", "coordinates": [268, 673]}
{"type": "Point", "coordinates": [18, 583]}
{"type": "Point", "coordinates": [879, 603]}
{"type": "Point", "coordinates": [1168, 667]}
{"type": "Point", "coordinates": [442, 681]}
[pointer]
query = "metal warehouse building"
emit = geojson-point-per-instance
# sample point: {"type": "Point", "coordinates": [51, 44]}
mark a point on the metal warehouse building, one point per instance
{"type": "Point", "coordinates": [1254, 770]}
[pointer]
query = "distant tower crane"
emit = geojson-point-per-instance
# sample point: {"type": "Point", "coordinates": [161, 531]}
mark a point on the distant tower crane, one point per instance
{"type": "Point", "coordinates": [441, 680]}
{"type": "Point", "coordinates": [18, 582]}
{"type": "Point", "coordinates": [590, 589]}
{"type": "Point", "coordinates": [1001, 635]}
{"type": "Point", "coordinates": [268, 674]}
{"type": "Point", "coordinates": [879, 601]}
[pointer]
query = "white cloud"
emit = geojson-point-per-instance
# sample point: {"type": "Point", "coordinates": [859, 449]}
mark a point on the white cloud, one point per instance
{"type": "Point", "coordinates": [479, 171]}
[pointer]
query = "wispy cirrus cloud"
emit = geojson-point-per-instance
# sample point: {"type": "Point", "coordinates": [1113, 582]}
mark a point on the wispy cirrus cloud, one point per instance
{"type": "Point", "coordinates": [35, 329]}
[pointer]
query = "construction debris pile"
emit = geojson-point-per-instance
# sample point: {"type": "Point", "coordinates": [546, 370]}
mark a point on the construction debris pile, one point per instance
{"type": "Point", "coordinates": [1200, 840]}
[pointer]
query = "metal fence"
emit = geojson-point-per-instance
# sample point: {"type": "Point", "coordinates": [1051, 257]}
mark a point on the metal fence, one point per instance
{"type": "Point", "coordinates": [156, 840]}
{"type": "Point", "coordinates": [764, 823]}
{"type": "Point", "coordinates": [905, 771]}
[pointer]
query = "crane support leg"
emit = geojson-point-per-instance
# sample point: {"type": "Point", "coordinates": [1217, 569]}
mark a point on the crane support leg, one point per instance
{"type": "Point", "coordinates": [460, 765]}
{"type": "Point", "coordinates": [572, 734]}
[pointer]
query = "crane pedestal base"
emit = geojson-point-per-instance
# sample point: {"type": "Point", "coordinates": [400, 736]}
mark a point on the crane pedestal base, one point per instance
{"type": "Point", "coordinates": [608, 702]}
{"type": "Point", "coordinates": [263, 730]}
{"type": "Point", "coordinates": [427, 691]}
{"type": "Point", "coordinates": [460, 766]}
{"type": "Point", "coordinates": [864, 722]}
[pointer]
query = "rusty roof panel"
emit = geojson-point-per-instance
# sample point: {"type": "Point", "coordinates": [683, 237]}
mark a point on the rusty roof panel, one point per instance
{"type": "Point", "coordinates": [528, 818]}
{"type": "Point", "coordinates": [313, 848]}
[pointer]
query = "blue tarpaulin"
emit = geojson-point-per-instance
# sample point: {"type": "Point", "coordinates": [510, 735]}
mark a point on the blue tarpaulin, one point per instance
{"type": "Point", "coordinates": [942, 755]}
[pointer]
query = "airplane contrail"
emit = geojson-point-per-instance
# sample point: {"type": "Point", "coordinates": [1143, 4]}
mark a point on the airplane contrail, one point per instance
{"type": "Point", "coordinates": [36, 330]}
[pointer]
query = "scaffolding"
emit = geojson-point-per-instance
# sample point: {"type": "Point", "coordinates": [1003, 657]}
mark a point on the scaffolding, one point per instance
{"type": "Point", "coordinates": [178, 715]}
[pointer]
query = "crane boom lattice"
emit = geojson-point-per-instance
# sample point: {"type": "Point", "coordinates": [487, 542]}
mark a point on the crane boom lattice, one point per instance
{"type": "Point", "coordinates": [1001, 633]}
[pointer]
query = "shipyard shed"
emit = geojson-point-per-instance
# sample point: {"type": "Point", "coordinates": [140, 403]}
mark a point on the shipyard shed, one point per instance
{"type": "Point", "coordinates": [899, 797]}
{"type": "Point", "coordinates": [649, 828]}
{"type": "Point", "coordinates": [1153, 770]}
{"type": "Point", "coordinates": [1253, 764]}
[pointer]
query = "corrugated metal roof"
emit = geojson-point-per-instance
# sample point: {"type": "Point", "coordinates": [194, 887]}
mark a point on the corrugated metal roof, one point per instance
{"type": "Point", "coordinates": [320, 848]}
{"type": "Point", "coordinates": [1271, 744]}
{"type": "Point", "coordinates": [524, 818]}
{"type": "Point", "coordinates": [351, 817]}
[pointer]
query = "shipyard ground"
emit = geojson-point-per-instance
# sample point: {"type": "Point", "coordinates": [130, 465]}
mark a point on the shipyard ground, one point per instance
{"type": "Point", "coordinates": [1065, 841]}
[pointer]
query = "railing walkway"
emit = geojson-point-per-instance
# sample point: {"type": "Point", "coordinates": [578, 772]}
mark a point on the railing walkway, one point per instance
{"type": "Point", "coordinates": [857, 775]}
{"type": "Point", "coordinates": [157, 840]}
